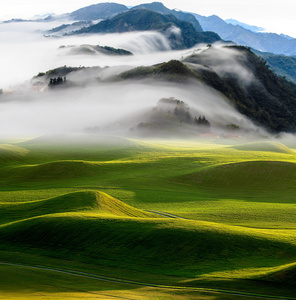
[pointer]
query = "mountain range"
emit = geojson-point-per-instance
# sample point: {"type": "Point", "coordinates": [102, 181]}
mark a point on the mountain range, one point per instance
{"type": "Point", "coordinates": [243, 78]}
{"type": "Point", "coordinates": [262, 41]}
{"type": "Point", "coordinates": [246, 79]}
{"type": "Point", "coordinates": [181, 34]}
{"type": "Point", "coordinates": [229, 30]}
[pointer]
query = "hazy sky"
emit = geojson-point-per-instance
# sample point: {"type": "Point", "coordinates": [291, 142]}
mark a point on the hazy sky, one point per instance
{"type": "Point", "coordinates": [274, 15]}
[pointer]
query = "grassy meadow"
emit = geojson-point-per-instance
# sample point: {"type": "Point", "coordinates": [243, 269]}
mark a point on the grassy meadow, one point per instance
{"type": "Point", "coordinates": [110, 217]}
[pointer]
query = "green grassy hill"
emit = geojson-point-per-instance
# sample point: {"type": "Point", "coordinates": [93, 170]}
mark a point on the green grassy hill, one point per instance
{"type": "Point", "coordinates": [10, 153]}
{"type": "Point", "coordinates": [264, 146]}
{"type": "Point", "coordinates": [258, 176]}
{"type": "Point", "coordinates": [190, 214]}
{"type": "Point", "coordinates": [90, 201]}
{"type": "Point", "coordinates": [169, 247]}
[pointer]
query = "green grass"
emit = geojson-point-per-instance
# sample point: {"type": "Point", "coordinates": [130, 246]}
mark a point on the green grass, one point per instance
{"type": "Point", "coordinates": [91, 202]}
{"type": "Point", "coordinates": [265, 146]}
{"type": "Point", "coordinates": [97, 202]}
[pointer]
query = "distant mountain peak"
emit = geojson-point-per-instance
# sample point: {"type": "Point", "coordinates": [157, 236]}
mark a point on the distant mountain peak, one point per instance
{"type": "Point", "coordinates": [244, 25]}
{"type": "Point", "coordinates": [98, 11]}
{"type": "Point", "coordinates": [160, 8]}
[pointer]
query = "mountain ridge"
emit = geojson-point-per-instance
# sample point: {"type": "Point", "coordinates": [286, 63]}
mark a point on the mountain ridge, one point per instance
{"type": "Point", "coordinates": [181, 34]}
{"type": "Point", "coordinates": [264, 42]}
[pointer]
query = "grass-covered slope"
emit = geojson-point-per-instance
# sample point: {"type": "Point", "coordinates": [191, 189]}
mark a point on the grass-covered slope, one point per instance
{"type": "Point", "coordinates": [285, 274]}
{"type": "Point", "coordinates": [264, 146]}
{"type": "Point", "coordinates": [251, 175]}
{"type": "Point", "coordinates": [9, 153]}
{"type": "Point", "coordinates": [238, 208]}
{"type": "Point", "coordinates": [90, 201]}
{"type": "Point", "coordinates": [167, 246]}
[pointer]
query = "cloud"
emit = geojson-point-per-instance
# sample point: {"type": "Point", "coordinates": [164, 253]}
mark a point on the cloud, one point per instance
{"type": "Point", "coordinates": [224, 61]}
{"type": "Point", "coordinates": [27, 52]}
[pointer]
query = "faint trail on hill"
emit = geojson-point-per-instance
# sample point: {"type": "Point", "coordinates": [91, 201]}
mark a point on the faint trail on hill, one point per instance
{"type": "Point", "coordinates": [165, 214]}
{"type": "Point", "coordinates": [143, 284]}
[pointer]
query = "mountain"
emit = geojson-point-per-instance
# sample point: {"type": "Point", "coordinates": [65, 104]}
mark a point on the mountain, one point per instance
{"type": "Point", "coordinates": [241, 76]}
{"type": "Point", "coordinates": [244, 25]}
{"type": "Point", "coordinates": [68, 28]}
{"type": "Point", "coordinates": [265, 42]}
{"type": "Point", "coordinates": [243, 79]}
{"type": "Point", "coordinates": [98, 11]}
{"type": "Point", "coordinates": [181, 34]}
{"type": "Point", "coordinates": [160, 8]}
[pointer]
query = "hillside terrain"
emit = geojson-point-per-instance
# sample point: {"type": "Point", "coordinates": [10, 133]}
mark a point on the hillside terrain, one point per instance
{"type": "Point", "coordinates": [244, 79]}
{"type": "Point", "coordinates": [107, 208]}
{"type": "Point", "coordinates": [148, 159]}
{"type": "Point", "coordinates": [282, 65]}
{"type": "Point", "coordinates": [262, 96]}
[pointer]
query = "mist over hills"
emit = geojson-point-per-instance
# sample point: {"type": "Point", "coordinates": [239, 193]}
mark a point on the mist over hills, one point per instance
{"type": "Point", "coordinates": [243, 80]}
{"type": "Point", "coordinates": [242, 77]}
{"type": "Point", "coordinates": [229, 30]}
{"type": "Point", "coordinates": [253, 94]}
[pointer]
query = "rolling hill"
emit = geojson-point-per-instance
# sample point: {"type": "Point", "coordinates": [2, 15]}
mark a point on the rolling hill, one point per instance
{"type": "Point", "coordinates": [222, 218]}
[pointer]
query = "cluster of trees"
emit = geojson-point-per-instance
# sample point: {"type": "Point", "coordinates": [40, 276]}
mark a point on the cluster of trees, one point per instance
{"type": "Point", "coordinates": [202, 121]}
{"type": "Point", "coordinates": [57, 81]}
{"type": "Point", "coordinates": [182, 112]}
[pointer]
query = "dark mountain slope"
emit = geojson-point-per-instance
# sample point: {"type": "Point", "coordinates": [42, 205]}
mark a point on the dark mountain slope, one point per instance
{"type": "Point", "coordinates": [98, 11]}
{"type": "Point", "coordinates": [281, 64]}
{"type": "Point", "coordinates": [265, 98]}
{"type": "Point", "coordinates": [145, 20]}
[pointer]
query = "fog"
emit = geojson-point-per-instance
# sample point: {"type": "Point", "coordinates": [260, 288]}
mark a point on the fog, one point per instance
{"type": "Point", "coordinates": [25, 51]}
{"type": "Point", "coordinates": [113, 107]}
{"type": "Point", "coordinates": [225, 61]}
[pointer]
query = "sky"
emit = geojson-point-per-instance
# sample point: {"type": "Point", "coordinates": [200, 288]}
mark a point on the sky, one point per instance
{"type": "Point", "coordinates": [276, 15]}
